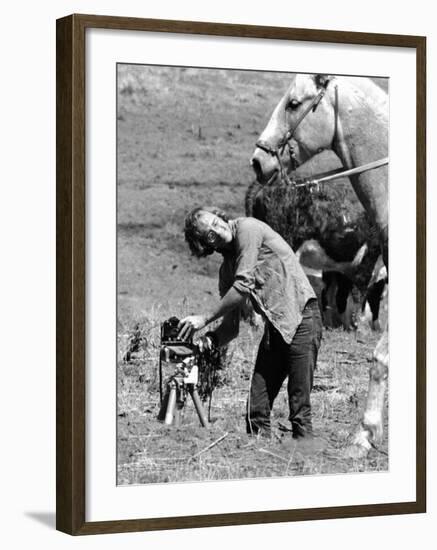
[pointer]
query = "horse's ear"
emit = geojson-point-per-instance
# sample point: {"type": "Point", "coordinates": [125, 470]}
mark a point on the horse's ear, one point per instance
{"type": "Point", "coordinates": [322, 80]}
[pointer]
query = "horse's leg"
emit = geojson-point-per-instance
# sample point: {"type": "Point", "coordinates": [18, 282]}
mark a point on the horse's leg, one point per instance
{"type": "Point", "coordinates": [370, 430]}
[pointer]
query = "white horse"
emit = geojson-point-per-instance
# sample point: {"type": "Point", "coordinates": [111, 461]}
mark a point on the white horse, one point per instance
{"type": "Point", "coordinates": [350, 116]}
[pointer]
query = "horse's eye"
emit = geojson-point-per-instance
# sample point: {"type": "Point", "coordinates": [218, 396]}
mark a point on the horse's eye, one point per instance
{"type": "Point", "coordinates": [293, 104]}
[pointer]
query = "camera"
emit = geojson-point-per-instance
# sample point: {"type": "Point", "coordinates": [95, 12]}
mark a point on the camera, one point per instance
{"type": "Point", "coordinates": [179, 372]}
{"type": "Point", "coordinates": [169, 330]}
{"type": "Point", "coordinates": [178, 358]}
{"type": "Point", "coordinates": [174, 350]}
{"type": "Point", "coordinates": [184, 369]}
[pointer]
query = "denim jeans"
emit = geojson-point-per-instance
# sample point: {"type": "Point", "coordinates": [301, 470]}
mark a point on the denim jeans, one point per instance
{"type": "Point", "coordinates": [277, 360]}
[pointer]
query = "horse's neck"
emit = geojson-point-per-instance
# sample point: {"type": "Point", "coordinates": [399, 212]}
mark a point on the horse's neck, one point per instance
{"type": "Point", "coordinates": [362, 137]}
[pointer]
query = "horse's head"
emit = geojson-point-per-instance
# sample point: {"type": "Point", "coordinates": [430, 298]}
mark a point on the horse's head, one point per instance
{"type": "Point", "coordinates": [303, 119]}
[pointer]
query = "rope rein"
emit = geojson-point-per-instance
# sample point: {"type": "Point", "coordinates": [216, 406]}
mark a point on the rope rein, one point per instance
{"type": "Point", "coordinates": [340, 173]}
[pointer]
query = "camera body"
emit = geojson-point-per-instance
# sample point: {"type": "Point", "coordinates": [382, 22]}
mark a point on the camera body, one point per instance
{"type": "Point", "coordinates": [178, 358]}
{"type": "Point", "coordinates": [169, 330]}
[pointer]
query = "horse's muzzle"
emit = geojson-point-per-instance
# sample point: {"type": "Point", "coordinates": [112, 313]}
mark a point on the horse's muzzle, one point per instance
{"type": "Point", "coordinates": [265, 166]}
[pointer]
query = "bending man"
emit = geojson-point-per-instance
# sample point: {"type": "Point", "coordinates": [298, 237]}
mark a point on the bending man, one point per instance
{"type": "Point", "coordinates": [258, 265]}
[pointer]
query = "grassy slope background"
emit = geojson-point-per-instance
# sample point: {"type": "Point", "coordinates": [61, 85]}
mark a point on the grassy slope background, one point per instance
{"type": "Point", "coordinates": [185, 137]}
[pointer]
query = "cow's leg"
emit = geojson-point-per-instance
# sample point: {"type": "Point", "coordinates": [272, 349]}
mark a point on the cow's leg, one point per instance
{"type": "Point", "coordinates": [330, 313]}
{"type": "Point", "coordinates": [374, 295]}
{"type": "Point", "coordinates": [370, 430]}
{"type": "Point", "coordinates": [349, 316]}
{"type": "Point", "coordinates": [343, 290]}
{"type": "Point", "coordinates": [346, 302]}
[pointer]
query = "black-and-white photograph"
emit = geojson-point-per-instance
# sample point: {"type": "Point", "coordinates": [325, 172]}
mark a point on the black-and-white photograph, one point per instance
{"type": "Point", "coordinates": [252, 274]}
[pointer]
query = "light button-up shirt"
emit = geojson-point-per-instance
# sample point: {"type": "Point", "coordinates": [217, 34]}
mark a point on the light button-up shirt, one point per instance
{"type": "Point", "coordinates": [263, 266]}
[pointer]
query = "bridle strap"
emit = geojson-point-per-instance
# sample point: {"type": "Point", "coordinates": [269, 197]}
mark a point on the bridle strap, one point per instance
{"type": "Point", "coordinates": [314, 103]}
{"type": "Point", "coordinates": [265, 146]}
{"type": "Point", "coordinates": [275, 152]}
{"type": "Point", "coordinates": [261, 144]}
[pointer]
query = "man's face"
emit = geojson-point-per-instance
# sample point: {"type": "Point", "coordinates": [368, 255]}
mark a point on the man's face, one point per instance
{"type": "Point", "coordinates": [215, 230]}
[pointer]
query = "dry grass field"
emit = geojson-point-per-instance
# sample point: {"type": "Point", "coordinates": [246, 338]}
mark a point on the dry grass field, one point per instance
{"type": "Point", "coordinates": [185, 137]}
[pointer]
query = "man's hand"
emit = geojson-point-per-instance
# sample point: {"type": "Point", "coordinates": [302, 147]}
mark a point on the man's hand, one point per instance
{"type": "Point", "coordinates": [230, 302]}
{"type": "Point", "coordinates": [189, 325]}
{"type": "Point", "coordinates": [205, 343]}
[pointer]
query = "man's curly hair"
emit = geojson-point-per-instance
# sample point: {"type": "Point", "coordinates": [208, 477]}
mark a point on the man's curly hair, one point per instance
{"type": "Point", "coordinates": [196, 241]}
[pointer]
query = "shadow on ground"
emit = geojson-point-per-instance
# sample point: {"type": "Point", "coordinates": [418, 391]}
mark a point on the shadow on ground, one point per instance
{"type": "Point", "coordinates": [45, 518]}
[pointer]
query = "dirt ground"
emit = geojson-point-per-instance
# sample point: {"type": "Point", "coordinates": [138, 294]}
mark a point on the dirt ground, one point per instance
{"type": "Point", "coordinates": [185, 137]}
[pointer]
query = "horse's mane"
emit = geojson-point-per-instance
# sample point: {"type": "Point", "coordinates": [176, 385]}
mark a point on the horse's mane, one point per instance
{"type": "Point", "coordinates": [366, 92]}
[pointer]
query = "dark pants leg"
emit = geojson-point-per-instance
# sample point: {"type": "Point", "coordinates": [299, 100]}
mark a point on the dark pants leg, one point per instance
{"type": "Point", "coordinates": [301, 357]}
{"type": "Point", "coordinates": [275, 361]}
{"type": "Point", "coordinates": [267, 380]}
